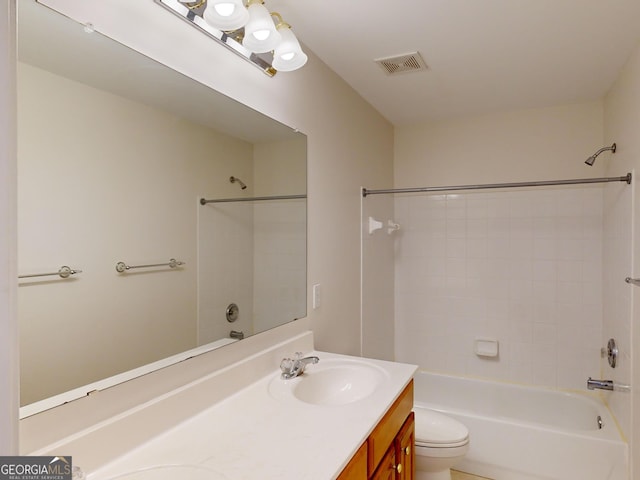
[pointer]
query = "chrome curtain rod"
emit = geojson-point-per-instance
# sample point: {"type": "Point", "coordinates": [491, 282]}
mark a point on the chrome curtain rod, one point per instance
{"type": "Point", "coordinates": [626, 178]}
{"type": "Point", "coordinates": [251, 199]}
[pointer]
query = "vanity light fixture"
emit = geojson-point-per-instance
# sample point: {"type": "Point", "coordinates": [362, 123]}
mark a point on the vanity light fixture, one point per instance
{"type": "Point", "coordinates": [261, 37]}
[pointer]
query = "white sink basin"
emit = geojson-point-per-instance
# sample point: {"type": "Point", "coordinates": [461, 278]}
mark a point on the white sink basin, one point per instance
{"type": "Point", "coordinates": [331, 382]}
{"type": "Point", "coordinates": [171, 472]}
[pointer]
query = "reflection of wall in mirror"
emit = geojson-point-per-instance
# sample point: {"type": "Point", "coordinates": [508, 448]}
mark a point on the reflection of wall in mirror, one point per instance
{"type": "Point", "coordinates": [104, 179]}
{"type": "Point", "coordinates": [280, 274]}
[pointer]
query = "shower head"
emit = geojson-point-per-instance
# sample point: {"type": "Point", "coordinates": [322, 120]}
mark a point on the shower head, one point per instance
{"type": "Point", "coordinates": [236, 179]}
{"type": "Point", "coordinates": [590, 161]}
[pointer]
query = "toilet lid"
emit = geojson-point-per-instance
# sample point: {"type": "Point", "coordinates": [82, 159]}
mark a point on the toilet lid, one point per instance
{"type": "Point", "coordinates": [434, 428]}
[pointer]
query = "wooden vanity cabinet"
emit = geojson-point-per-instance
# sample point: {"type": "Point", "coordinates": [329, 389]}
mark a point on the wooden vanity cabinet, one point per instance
{"type": "Point", "coordinates": [388, 453]}
{"type": "Point", "coordinates": [405, 451]}
{"type": "Point", "coordinates": [356, 469]}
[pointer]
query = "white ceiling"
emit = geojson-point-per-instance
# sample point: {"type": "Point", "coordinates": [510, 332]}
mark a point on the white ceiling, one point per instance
{"type": "Point", "coordinates": [483, 55]}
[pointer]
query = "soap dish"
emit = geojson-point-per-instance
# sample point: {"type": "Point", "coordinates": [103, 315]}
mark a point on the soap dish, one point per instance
{"type": "Point", "coordinates": [486, 347]}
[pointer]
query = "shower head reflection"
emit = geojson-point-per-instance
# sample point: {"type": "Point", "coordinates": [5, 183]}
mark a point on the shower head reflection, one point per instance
{"type": "Point", "coordinates": [237, 180]}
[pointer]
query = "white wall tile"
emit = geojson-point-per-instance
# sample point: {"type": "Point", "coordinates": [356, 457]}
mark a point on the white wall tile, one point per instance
{"type": "Point", "coordinates": [498, 207]}
{"type": "Point", "coordinates": [545, 205]}
{"type": "Point", "coordinates": [544, 248]}
{"type": "Point", "coordinates": [522, 267]}
{"type": "Point", "coordinates": [545, 270]}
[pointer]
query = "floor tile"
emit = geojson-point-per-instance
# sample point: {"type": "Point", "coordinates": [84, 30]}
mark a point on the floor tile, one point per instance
{"type": "Point", "coordinates": [455, 475]}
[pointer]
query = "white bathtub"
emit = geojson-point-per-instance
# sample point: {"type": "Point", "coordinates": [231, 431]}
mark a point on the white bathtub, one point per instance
{"type": "Point", "coordinates": [527, 433]}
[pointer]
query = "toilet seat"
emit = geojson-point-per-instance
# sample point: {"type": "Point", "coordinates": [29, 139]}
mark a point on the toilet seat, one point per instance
{"type": "Point", "coordinates": [435, 430]}
{"type": "Point", "coordinates": [462, 443]}
{"type": "Point", "coordinates": [423, 452]}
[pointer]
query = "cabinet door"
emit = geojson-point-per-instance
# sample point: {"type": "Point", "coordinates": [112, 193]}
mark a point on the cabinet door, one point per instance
{"type": "Point", "coordinates": [387, 467]}
{"type": "Point", "coordinates": [405, 449]}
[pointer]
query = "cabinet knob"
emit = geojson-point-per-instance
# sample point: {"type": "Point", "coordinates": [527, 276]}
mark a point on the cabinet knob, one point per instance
{"type": "Point", "coordinates": [399, 468]}
{"type": "Point", "coordinates": [407, 450]}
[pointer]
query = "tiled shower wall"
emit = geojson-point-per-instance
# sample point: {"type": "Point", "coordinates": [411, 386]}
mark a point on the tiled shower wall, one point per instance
{"type": "Point", "coordinates": [279, 262]}
{"type": "Point", "coordinates": [225, 269]}
{"type": "Point", "coordinates": [522, 267]}
{"type": "Point", "coordinates": [617, 301]}
{"type": "Point", "coordinates": [253, 256]}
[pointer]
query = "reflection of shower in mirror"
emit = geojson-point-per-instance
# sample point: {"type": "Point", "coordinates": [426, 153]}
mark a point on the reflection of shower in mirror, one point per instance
{"type": "Point", "coordinates": [237, 180]}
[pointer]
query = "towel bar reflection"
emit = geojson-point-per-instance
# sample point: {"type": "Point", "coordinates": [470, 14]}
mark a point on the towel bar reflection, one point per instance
{"type": "Point", "coordinates": [122, 267]}
{"type": "Point", "coordinates": [63, 272]}
{"type": "Point", "coordinates": [633, 281]}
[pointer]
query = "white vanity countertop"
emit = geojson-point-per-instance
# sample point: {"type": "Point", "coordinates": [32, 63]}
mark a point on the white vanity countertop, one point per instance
{"type": "Point", "coordinates": [261, 432]}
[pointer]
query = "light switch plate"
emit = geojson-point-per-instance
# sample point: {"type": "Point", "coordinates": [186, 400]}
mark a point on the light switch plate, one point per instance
{"type": "Point", "coordinates": [316, 296]}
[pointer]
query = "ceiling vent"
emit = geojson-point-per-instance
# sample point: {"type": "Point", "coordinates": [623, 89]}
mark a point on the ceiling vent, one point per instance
{"type": "Point", "coordinates": [409, 62]}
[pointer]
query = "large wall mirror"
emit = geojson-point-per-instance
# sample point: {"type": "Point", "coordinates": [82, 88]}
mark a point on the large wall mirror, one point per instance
{"type": "Point", "coordinates": [115, 152]}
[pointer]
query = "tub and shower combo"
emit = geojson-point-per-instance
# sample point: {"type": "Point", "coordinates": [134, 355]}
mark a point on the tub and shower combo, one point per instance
{"type": "Point", "coordinates": [514, 432]}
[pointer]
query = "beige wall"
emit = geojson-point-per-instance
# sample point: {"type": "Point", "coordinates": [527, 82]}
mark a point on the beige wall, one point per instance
{"type": "Point", "coordinates": [523, 145]}
{"type": "Point", "coordinates": [622, 123]}
{"type": "Point", "coordinates": [9, 372]}
{"type": "Point", "coordinates": [89, 198]}
{"type": "Point", "coordinates": [276, 168]}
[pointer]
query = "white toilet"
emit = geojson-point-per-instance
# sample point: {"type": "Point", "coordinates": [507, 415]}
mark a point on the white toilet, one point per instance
{"type": "Point", "coordinates": [441, 442]}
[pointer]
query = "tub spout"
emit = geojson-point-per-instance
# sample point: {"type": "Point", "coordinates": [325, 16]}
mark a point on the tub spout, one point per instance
{"type": "Point", "coordinates": [599, 384]}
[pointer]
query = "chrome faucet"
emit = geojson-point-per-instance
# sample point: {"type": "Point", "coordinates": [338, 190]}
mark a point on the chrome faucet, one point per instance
{"type": "Point", "coordinates": [292, 368]}
{"type": "Point", "coordinates": [600, 384]}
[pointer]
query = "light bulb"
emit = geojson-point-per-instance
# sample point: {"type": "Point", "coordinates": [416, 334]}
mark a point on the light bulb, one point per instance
{"type": "Point", "coordinates": [261, 34]}
{"type": "Point", "coordinates": [226, 15]}
{"type": "Point", "coordinates": [225, 9]}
